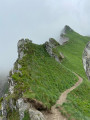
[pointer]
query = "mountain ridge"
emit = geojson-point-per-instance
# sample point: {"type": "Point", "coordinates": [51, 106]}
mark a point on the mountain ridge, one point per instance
{"type": "Point", "coordinates": [38, 78]}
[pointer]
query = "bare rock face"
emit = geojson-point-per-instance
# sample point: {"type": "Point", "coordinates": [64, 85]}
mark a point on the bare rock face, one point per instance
{"type": "Point", "coordinates": [51, 49]}
{"type": "Point", "coordinates": [4, 110]}
{"type": "Point", "coordinates": [86, 59]}
{"type": "Point", "coordinates": [36, 115]}
{"type": "Point", "coordinates": [21, 47]}
{"type": "Point", "coordinates": [11, 85]}
{"type": "Point", "coordinates": [50, 46]}
{"type": "Point", "coordinates": [22, 106]}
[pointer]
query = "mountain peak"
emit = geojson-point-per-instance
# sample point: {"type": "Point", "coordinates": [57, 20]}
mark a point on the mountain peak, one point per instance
{"type": "Point", "coordinates": [66, 29]}
{"type": "Point", "coordinates": [63, 38]}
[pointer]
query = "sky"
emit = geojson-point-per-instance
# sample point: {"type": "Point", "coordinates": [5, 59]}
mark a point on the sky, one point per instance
{"type": "Point", "coordinates": [38, 20]}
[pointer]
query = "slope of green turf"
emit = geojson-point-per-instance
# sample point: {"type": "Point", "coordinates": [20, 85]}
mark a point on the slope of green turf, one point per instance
{"type": "Point", "coordinates": [42, 77]}
{"type": "Point", "coordinates": [78, 105]}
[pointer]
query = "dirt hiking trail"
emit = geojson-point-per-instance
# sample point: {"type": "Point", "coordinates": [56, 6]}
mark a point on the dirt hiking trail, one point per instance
{"type": "Point", "coordinates": [55, 114]}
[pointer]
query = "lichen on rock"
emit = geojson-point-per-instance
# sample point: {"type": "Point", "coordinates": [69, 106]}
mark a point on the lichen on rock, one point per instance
{"type": "Point", "coordinates": [22, 106]}
{"type": "Point", "coordinates": [52, 51]}
{"type": "Point", "coordinates": [36, 115]}
{"type": "Point", "coordinates": [21, 47]}
{"type": "Point", "coordinates": [86, 59]}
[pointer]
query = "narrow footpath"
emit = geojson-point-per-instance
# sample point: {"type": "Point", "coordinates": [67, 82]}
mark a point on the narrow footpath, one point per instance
{"type": "Point", "coordinates": [55, 114]}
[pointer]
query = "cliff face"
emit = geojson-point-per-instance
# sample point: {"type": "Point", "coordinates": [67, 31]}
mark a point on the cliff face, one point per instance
{"type": "Point", "coordinates": [86, 59]}
{"type": "Point", "coordinates": [51, 49]}
{"type": "Point", "coordinates": [21, 47]}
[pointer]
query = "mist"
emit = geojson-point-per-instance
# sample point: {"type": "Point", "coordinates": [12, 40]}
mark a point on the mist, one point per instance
{"type": "Point", "coordinates": [3, 83]}
{"type": "Point", "coordinates": [37, 20]}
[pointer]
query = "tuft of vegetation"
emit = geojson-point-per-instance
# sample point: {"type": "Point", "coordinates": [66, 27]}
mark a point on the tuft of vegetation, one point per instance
{"type": "Point", "coordinates": [13, 115]}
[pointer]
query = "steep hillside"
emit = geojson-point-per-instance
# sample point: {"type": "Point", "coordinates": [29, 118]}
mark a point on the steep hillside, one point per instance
{"type": "Point", "coordinates": [78, 104]}
{"type": "Point", "coordinates": [42, 72]}
{"type": "Point", "coordinates": [42, 77]}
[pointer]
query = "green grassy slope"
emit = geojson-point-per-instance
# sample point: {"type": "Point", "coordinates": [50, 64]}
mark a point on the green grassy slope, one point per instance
{"type": "Point", "coordinates": [42, 77]}
{"type": "Point", "coordinates": [45, 79]}
{"type": "Point", "coordinates": [78, 105]}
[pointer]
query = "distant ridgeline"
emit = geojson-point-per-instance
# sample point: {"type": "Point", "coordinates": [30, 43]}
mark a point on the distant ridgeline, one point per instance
{"type": "Point", "coordinates": [42, 72]}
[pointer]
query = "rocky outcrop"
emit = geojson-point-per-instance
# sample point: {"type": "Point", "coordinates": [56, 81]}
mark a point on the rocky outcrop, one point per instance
{"type": "Point", "coordinates": [50, 47]}
{"type": "Point", "coordinates": [8, 102]}
{"type": "Point", "coordinates": [36, 115]}
{"type": "Point", "coordinates": [86, 59]}
{"type": "Point", "coordinates": [22, 106]}
{"type": "Point", "coordinates": [21, 47]}
{"type": "Point", "coordinates": [4, 109]}
{"type": "Point", "coordinates": [11, 85]}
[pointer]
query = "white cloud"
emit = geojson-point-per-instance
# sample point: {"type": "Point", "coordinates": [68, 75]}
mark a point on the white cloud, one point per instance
{"type": "Point", "coordinates": [38, 20]}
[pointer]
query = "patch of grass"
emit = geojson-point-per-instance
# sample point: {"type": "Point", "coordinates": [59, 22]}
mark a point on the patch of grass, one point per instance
{"type": "Point", "coordinates": [13, 115]}
{"type": "Point", "coordinates": [26, 116]}
{"type": "Point", "coordinates": [54, 42]}
{"type": "Point", "coordinates": [78, 104]}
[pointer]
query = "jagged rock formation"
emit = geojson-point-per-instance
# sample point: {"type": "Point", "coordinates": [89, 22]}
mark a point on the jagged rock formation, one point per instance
{"type": "Point", "coordinates": [21, 47]}
{"type": "Point", "coordinates": [86, 59]}
{"type": "Point", "coordinates": [4, 110]}
{"type": "Point", "coordinates": [63, 38]}
{"type": "Point", "coordinates": [50, 47]}
{"type": "Point", "coordinates": [22, 106]}
{"type": "Point", "coordinates": [11, 85]}
{"type": "Point", "coordinates": [36, 115]}
{"type": "Point", "coordinates": [8, 103]}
